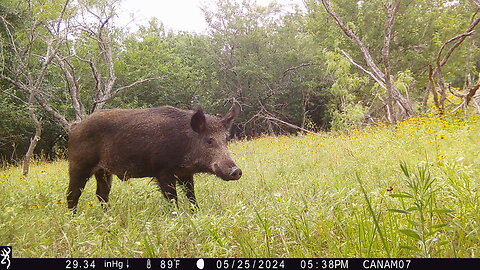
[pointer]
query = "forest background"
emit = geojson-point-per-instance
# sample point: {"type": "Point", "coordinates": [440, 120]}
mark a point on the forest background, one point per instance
{"type": "Point", "coordinates": [324, 66]}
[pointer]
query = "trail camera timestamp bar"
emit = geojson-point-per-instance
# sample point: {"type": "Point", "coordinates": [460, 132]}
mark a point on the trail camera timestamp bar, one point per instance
{"type": "Point", "coordinates": [238, 263]}
{"type": "Point", "coordinates": [324, 264]}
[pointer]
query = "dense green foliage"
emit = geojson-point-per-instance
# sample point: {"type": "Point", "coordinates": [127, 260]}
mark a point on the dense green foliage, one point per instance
{"type": "Point", "coordinates": [405, 191]}
{"type": "Point", "coordinates": [277, 61]}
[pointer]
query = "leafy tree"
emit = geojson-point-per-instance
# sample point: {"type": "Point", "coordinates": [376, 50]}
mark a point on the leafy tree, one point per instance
{"type": "Point", "coordinates": [153, 52]}
{"type": "Point", "coordinates": [264, 62]}
{"type": "Point", "coordinates": [420, 29]}
{"type": "Point", "coordinates": [339, 65]}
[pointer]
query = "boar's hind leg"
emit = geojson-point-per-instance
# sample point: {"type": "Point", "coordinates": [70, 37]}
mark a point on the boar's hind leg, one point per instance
{"type": "Point", "coordinates": [104, 184]}
{"type": "Point", "coordinates": [187, 182]}
{"type": "Point", "coordinates": [166, 182]}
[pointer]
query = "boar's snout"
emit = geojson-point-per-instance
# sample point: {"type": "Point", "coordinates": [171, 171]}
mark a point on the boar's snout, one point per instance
{"type": "Point", "coordinates": [227, 173]}
{"type": "Point", "coordinates": [236, 173]}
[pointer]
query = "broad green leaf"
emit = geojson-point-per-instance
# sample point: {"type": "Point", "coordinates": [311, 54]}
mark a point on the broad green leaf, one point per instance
{"type": "Point", "coordinates": [410, 248]}
{"type": "Point", "coordinates": [399, 211]}
{"type": "Point", "coordinates": [411, 233]}
{"type": "Point", "coordinates": [441, 211]}
{"type": "Point", "coordinates": [401, 195]}
{"type": "Point", "coordinates": [413, 223]}
{"type": "Point", "coordinates": [438, 226]}
{"type": "Point", "coordinates": [404, 167]}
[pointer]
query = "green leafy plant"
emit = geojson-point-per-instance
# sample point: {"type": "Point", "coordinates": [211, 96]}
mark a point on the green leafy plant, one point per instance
{"type": "Point", "coordinates": [420, 210]}
{"type": "Point", "coordinates": [374, 216]}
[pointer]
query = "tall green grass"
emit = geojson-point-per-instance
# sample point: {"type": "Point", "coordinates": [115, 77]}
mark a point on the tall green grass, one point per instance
{"type": "Point", "coordinates": [358, 194]}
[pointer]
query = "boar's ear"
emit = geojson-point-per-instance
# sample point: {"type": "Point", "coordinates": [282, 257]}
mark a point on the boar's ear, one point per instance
{"type": "Point", "coordinates": [198, 122]}
{"type": "Point", "coordinates": [227, 120]}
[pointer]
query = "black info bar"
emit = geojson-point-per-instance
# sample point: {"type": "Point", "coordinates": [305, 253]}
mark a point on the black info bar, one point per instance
{"type": "Point", "coordinates": [238, 263]}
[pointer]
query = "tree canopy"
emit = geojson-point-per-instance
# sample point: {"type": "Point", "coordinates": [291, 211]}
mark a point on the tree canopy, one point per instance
{"type": "Point", "coordinates": [331, 65]}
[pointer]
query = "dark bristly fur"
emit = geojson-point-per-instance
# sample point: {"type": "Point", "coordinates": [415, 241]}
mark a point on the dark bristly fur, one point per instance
{"type": "Point", "coordinates": [166, 143]}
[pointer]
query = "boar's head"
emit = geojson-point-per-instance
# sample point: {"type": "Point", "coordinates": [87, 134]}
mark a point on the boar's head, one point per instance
{"type": "Point", "coordinates": [209, 147]}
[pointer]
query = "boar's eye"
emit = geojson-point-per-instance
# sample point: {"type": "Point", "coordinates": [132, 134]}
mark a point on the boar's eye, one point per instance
{"type": "Point", "coordinates": [210, 142]}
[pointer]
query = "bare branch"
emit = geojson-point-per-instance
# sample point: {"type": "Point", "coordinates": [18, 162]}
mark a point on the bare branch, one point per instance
{"type": "Point", "coordinates": [433, 87]}
{"type": "Point", "coordinates": [61, 14]}
{"type": "Point", "coordinates": [104, 83]}
{"type": "Point", "coordinates": [285, 73]}
{"type": "Point", "coordinates": [10, 35]}
{"type": "Point", "coordinates": [390, 20]}
{"type": "Point", "coordinates": [270, 117]}
{"type": "Point", "coordinates": [6, 92]}
{"type": "Point", "coordinates": [382, 78]}
{"type": "Point", "coordinates": [455, 93]}
{"type": "Point", "coordinates": [115, 92]}
{"type": "Point", "coordinates": [440, 63]}
{"type": "Point", "coordinates": [95, 73]}
{"type": "Point", "coordinates": [18, 84]}
{"type": "Point", "coordinates": [379, 81]}
{"type": "Point", "coordinates": [471, 93]}
{"type": "Point", "coordinates": [38, 132]}
{"type": "Point", "coordinates": [366, 54]}
{"type": "Point", "coordinates": [57, 115]}
{"type": "Point", "coordinates": [136, 83]}
{"type": "Point", "coordinates": [46, 62]}
{"type": "Point", "coordinates": [295, 67]}
{"type": "Point", "coordinates": [74, 87]}
{"type": "Point", "coordinates": [460, 38]}
{"type": "Point", "coordinates": [477, 2]}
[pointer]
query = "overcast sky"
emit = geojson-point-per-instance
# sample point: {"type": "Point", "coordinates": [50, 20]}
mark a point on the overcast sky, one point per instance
{"type": "Point", "coordinates": [177, 15]}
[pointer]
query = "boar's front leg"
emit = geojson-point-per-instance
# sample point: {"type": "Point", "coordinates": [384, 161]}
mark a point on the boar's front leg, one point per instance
{"type": "Point", "coordinates": [166, 182]}
{"type": "Point", "coordinates": [79, 174]}
{"type": "Point", "coordinates": [187, 182]}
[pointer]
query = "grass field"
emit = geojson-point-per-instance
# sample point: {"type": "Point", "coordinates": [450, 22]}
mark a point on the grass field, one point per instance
{"type": "Point", "coordinates": [405, 191]}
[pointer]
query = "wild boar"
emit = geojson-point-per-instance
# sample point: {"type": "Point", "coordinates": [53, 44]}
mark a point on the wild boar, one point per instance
{"type": "Point", "coordinates": [166, 143]}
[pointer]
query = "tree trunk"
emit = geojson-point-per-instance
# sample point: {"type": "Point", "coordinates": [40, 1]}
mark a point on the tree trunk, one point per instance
{"type": "Point", "coordinates": [476, 102]}
{"type": "Point", "coordinates": [440, 62]}
{"type": "Point", "coordinates": [36, 137]}
{"type": "Point", "coordinates": [382, 78]}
